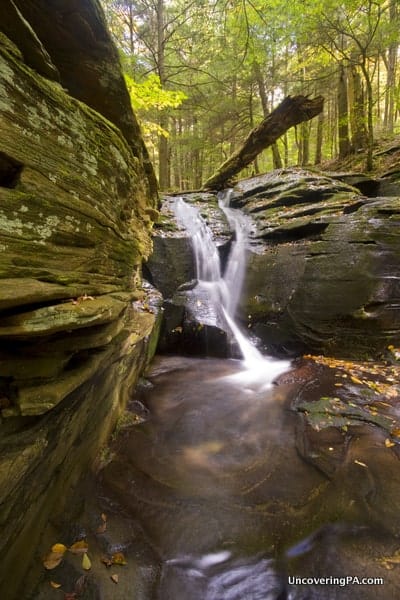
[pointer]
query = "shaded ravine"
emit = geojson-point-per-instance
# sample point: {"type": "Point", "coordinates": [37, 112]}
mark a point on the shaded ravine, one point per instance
{"type": "Point", "coordinates": [229, 483]}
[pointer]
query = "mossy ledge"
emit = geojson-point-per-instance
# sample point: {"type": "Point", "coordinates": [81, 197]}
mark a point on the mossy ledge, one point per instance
{"type": "Point", "coordinates": [77, 201]}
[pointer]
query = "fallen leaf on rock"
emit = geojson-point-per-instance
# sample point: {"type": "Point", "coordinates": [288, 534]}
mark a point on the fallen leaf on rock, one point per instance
{"type": "Point", "coordinates": [390, 561]}
{"type": "Point", "coordinates": [114, 578]}
{"type": "Point", "coordinates": [86, 562]}
{"type": "Point", "coordinates": [103, 517]}
{"type": "Point", "coordinates": [80, 547]}
{"type": "Point", "coordinates": [52, 560]}
{"type": "Point", "coordinates": [60, 548]}
{"type": "Point", "coordinates": [358, 462]}
{"type": "Point", "coordinates": [388, 443]}
{"type": "Point", "coordinates": [55, 585]}
{"type": "Point", "coordinates": [118, 559]}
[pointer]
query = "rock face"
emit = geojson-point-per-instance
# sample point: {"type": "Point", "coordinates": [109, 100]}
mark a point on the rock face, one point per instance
{"type": "Point", "coordinates": [323, 270]}
{"type": "Point", "coordinates": [78, 197]}
{"type": "Point", "coordinates": [190, 324]}
{"type": "Point", "coordinates": [326, 276]}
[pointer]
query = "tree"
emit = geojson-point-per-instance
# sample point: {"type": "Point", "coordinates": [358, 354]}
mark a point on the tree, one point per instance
{"type": "Point", "coordinates": [290, 112]}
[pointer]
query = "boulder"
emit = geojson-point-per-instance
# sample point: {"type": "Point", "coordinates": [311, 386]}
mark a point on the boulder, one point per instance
{"type": "Point", "coordinates": [192, 325]}
{"type": "Point", "coordinates": [323, 271]}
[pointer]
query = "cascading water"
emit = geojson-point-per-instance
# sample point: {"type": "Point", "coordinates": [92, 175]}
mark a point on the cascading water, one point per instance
{"type": "Point", "coordinates": [224, 291]}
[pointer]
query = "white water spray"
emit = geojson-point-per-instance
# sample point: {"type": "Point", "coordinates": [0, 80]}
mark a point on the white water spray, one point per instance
{"type": "Point", "coordinates": [224, 291]}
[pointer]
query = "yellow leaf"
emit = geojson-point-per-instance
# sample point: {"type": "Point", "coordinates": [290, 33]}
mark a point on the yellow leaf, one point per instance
{"type": "Point", "coordinates": [55, 585]}
{"type": "Point", "coordinates": [358, 462]}
{"type": "Point", "coordinates": [388, 443]}
{"type": "Point", "coordinates": [60, 548]}
{"type": "Point", "coordinates": [52, 560]}
{"type": "Point", "coordinates": [114, 578]}
{"type": "Point", "coordinates": [118, 559]}
{"type": "Point", "coordinates": [103, 517]}
{"type": "Point", "coordinates": [79, 547]}
{"type": "Point", "coordinates": [86, 563]}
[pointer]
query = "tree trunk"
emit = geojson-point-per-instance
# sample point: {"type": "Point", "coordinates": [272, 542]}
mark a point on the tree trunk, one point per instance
{"type": "Point", "coordinates": [291, 111]}
{"type": "Point", "coordinates": [318, 145]}
{"type": "Point", "coordinates": [343, 114]}
{"type": "Point", "coordinates": [370, 121]}
{"type": "Point", "coordinates": [391, 65]}
{"type": "Point", "coordinates": [163, 150]}
{"type": "Point", "coordinates": [357, 113]}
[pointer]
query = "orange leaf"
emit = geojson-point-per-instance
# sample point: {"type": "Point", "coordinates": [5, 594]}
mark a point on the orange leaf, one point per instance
{"type": "Point", "coordinates": [118, 559]}
{"type": "Point", "coordinates": [59, 548]}
{"type": "Point", "coordinates": [79, 547]}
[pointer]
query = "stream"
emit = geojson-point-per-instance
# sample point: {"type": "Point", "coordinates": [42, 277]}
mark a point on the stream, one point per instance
{"type": "Point", "coordinates": [221, 487]}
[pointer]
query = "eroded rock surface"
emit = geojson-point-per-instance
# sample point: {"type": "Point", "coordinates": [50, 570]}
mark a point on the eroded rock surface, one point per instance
{"type": "Point", "coordinates": [191, 325]}
{"type": "Point", "coordinates": [326, 276]}
{"type": "Point", "coordinates": [323, 264]}
{"type": "Point", "coordinates": [78, 198]}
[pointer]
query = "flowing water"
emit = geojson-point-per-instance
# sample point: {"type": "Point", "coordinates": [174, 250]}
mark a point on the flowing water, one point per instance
{"type": "Point", "coordinates": [224, 491]}
{"type": "Point", "coordinates": [238, 498]}
{"type": "Point", "coordinates": [238, 495]}
{"type": "Point", "coordinates": [224, 289]}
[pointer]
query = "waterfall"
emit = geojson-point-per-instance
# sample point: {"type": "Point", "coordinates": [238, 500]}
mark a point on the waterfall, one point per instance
{"type": "Point", "coordinates": [224, 290]}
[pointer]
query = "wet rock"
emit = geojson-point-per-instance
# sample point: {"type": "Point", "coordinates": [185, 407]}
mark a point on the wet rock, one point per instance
{"type": "Point", "coordinates": [323, 267]}
{"type": "Point", "coordinates": [172, 264]}
{"type": "Point", "coordinates": [192, 326]}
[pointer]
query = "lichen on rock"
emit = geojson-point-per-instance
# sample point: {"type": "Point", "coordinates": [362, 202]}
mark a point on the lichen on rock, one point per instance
{"type": "Point", "coordinates": [78, 199]}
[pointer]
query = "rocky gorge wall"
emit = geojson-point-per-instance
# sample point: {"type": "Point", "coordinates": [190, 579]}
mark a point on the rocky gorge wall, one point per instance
{"type": "Point", "coordinates": [77, 200]}
{"type": "Point", "coordinates": [323, 268]}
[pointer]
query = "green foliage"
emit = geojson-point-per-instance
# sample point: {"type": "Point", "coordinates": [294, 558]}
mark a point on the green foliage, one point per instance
{"type": "Point", "coordinates": [148, 96]}
{"type": "Point", "coordinates": [216, 59]}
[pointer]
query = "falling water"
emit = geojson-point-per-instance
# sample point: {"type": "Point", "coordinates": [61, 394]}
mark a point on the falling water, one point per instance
{"type": "Point", "coordinates": [224, 291]}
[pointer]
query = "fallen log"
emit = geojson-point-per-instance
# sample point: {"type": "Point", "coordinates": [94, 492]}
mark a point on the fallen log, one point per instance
{"type": "Point", "coordinates": [291, 111]}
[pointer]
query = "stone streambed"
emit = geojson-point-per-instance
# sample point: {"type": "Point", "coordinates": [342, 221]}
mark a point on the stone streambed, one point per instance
{"type": "Point", "coordinates": [214, 490]}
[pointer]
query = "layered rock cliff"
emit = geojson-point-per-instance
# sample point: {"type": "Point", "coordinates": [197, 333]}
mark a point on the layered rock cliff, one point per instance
{"type": "Point", "coordinates": [322, 272]}
{"type": "Point", "coordinates": [78, 197]}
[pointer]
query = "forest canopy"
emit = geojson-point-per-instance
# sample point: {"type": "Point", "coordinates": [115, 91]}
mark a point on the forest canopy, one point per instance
{"type": "Point", "coordinates": [203, 73]}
